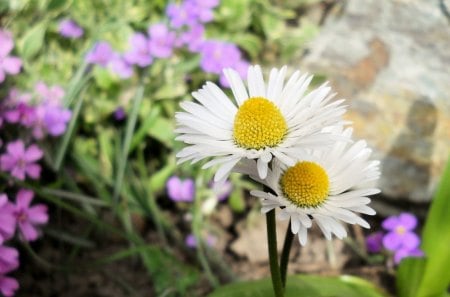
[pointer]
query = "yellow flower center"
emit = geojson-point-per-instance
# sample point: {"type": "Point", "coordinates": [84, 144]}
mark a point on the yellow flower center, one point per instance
{"type": "Point", "coordinates": [258, 124]}
{"type": "Point", "coordinates": [305, 184]}
{"type": "Point", "coordinates": [400, 230]}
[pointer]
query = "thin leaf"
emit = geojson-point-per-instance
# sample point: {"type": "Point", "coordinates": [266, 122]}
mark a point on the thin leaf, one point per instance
{"type": "Point", "coordinates": [436, 239]}
{"type": "Point", "coordinates": [62, 149]}
{"type": "Point", "coordinates": [131, 123]}
{"type": "Point", "coordinates": [409, 275]}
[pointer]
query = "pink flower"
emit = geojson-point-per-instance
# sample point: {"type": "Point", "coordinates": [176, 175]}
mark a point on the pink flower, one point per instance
{"type": "Point", "coordinates": [29, 217]}
{"type": "Point", "coordinates": [161, 41]}
{"type": "Point", "coordinates": [181, 191]}
{"type": "Point", "coordinates": [49, 95]}
{"type": "Point", "coordinates": [9, 259]}
{"type": "Point", "coordinates": [20, 161]}
{"type": "Point", "coordinates": [8, 285]}
{"type": "Point", "coordinates": [8, 64]}
{"type": "Point", "coordinates": [7, 219]}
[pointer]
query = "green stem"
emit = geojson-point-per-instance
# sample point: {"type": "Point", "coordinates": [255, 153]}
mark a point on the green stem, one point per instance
{"type": "Point", "coordinates": [285, 254]}
{"type": "Point", "coordinates": [273, 254]}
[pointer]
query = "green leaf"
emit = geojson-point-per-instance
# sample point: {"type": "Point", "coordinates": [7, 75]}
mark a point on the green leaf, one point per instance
{"type": "Point", "coordinates": [435, 242]}
{"type": "Point", "coordinates": [158, 179]}
{"type": "Point", "coordinates": [304, 286]}
{"type": "Point", "coordinates": [162, 130]}
{"type": "Point", "coordinates": [58, 4]}
{"type": "Point", "coordinates": [409, 275]}
{"type": "Point", "coordinates": [33, 40]}
{"type": "Point", "coordinates": [250, 43]}
{"type": "Point", "coordinates": [236, 200]}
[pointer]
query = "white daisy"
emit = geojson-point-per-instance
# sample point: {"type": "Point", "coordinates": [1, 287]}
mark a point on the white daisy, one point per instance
{"type": "Point", "coordinates": [274, 120]}
{"type": "Point", "coordinates": [327, 187]}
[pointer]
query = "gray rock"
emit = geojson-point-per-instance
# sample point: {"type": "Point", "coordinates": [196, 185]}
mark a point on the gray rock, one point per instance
{"type": "Point", "coordinates": [391, 60]}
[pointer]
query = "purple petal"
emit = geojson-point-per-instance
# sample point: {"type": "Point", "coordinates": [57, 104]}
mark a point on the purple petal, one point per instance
{"type": "Point", "coordinates": [8, 286]}
{"type": "Point", "coordinates": [33, 171]}
{"type": "Point", "coordinates": [400, 254]}
{"type": "Point", "coordinates": [390, 223]}
{"type": "Point", "coordinates": [12, 65]}
{"type": "Point", "coordinates": [24, 198]}
{"type": "Point", "coordinates": [38, 214]}
{"type": "Point", "coordinates": [28, 231]}
{"type": "Point", "coordinates": [408, 221]}
{"type": "Point", "coordinates": [174, 188]}
{"type": "Point", "coordinates": [16, 148]}
{"type": "Point", "coordinates": [374, 242]}
{"type": "Point", "coordinates": [392, 241]}
{"type": "Point", "coordinates": [7, 162]}
{"type": "Point", "coordinates": [410, 240]}
{"type": "Point", "coordinates": [191, 241]}
{"type": "Point", "coordinates": [18, 172]}
{"type": "Point", "coordinates": [33, 153]}
{"type": "Point", "coordinates": [7, 43]}
{"type": "Point", "coordinates": [188, 190]}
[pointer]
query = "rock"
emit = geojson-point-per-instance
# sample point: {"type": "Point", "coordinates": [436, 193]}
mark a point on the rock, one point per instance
{"type": "Point", "coordinates": [390, 59]}
{"type": "Point", "coordinates": [252, 240]}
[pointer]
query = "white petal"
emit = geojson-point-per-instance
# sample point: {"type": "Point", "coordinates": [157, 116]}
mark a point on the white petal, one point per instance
{"type": "Point", "coordinates": [237, 86]}
{"type": "Point", "coordinates": [225, 169]}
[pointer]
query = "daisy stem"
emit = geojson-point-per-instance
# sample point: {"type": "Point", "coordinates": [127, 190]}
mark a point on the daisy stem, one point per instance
{"type": "Point", "coordinates": [285, 254]}
{"type": "Point", "coordinates": [273, 254]}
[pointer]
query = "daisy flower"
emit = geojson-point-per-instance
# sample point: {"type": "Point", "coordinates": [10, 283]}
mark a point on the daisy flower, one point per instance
{"type": "Point", "coordinates": [327, 187]}
{"type": "Point", "coordinates": [265, 121]}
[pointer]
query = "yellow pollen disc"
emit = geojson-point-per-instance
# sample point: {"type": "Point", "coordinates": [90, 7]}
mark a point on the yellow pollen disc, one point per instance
{"type": "Point", "coordinates": [258, 124]}
{"type": "Point", "coordinates": [400, 230]}
{"type": "Point", "coordinates": [306, 184]}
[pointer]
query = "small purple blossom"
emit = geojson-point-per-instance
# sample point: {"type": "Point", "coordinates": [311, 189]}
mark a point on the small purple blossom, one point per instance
{"type": "Point", "coordinates": [193, 38]}
{"type": "Point", "coordinates": [217, 55]}
{"type": "Point", "coordinates": [181, 191]}
{"type": "Point", "coordinates": [241, 67]}
{"type": "Point", "coordinates": [8, 64]}
{"type": "Point", "coordinates": [184, 14]}
{"type": "Point", "coordinates": [49, 95]}
{"type": "Point", "coordinates": [119, 114]}
{"type": "Point", "coordinates": [56, 119]}
{"type": "Point", "coordinates": [101, 54]}
{"type": "Point", "coordinates": [139, 53]}
{"type": "Point", "coordinates": [204, 9]}
{"type": "Point", "coordinates": [374, 242]}
{"type": "Point", "coordinates": [400, 232]}
{"type": "Point", "coordinates": [9, 259]}
{"type": "Point", "coordinates": [28, 218]}
{"type": "Point", "coordinates": [21, 161]}
{"type": "Point", "coordinates": [22, 113]}
{"type": "Point", "coordinates": [191, 241]}
{"type": "Point", "coordinates": [70, 29]}
{"type": "Point", "coordinates": [161, 41]}
{"type": "Point", "coordinates": [7, 219]}
{"type": "Point", "coordinates": [8, 285]}
{"type": "Point", "coordinates": [404, 252]}
{"type": "Point", "coordinates": [121, 67]}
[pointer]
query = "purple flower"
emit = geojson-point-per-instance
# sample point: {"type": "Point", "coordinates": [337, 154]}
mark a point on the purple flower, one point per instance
{"type": "Point", "coordinates": [20, 161]}
{"type": "Point", "coordinates": [161, 41]}
{"type": "Point", "coordinates": [139, 53]}
{"type": "Point", "coordinates": [100, 54]}
{"type": "Point", "coordinates": [8, 64]}
{"type": "Point", "coordinates": [222, 189]}
{"type": "Point", "coordinates": [56, 119]}
{"type": "Point", "coordinates": [29, 217]}
{"type": "Point", "coordinates": [404, 252]}
{"type": "Point", "coordinates": [217, 55]}
{"type": "Point", "coordinates": [181, 191]}
{"type": "Point", "coordinates": [400, 235]}
{"type": "Point", "coordinates": [241, 67]}
{"type": "Point", "coordinates": [184, 14]}
{"type": "Point", "coordinates": [119, 114]}
{"type": "Point", "coordinates": [22, 113]}
{"type": "Point", "coordinates": [374, 242]}
{"type": "Point", "coordinates": [191, 241]}
{"type": "Point", "coordinates": [70, 29]}
{"type": "Point", "coordinates": [7, 219]}
{"type": "Point", "coordinates": [8, 285]}
{"type": "Point", "coordinates": [204, 9]}
{"type": "Point", "coordinates": [9, 259]}
{"type": "Point", "coordinates": [120, 67]}
{"type": "Point", "coordinates": [193, 38]}
{"type": "Point", "coordinates": [49, 95]}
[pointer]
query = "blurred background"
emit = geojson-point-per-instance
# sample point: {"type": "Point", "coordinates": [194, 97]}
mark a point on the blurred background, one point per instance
{"type": "Point", "coordinates": [124, 219]}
